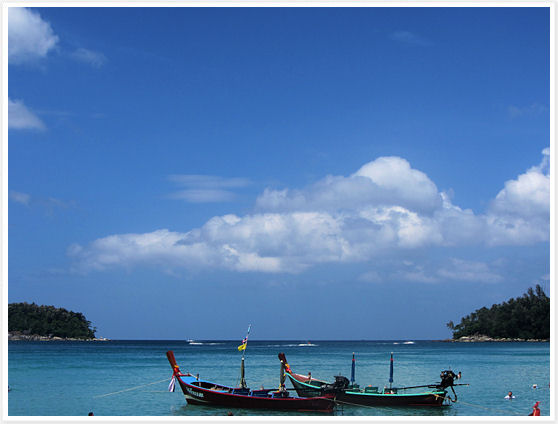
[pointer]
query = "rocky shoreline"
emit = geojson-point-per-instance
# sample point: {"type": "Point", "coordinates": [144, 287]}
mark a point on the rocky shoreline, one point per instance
{"type": "Point", "coordinates": [36, 338]}
{"type": "Point", "coordinates": [482, 338]}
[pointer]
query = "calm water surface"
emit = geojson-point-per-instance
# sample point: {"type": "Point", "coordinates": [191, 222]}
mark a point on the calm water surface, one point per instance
{"type": "Point", "coordinates": [73, 378]}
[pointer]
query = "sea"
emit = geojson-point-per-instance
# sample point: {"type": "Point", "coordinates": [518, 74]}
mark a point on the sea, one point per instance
{"type": "Point", "coordinates": [131, 378]}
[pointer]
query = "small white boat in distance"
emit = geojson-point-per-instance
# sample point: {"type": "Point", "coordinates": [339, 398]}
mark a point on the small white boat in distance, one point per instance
{"type": "Point", "coordinates": [307, 344]}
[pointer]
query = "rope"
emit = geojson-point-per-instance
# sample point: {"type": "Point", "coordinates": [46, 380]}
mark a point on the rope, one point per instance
{"type": "Point", "coordinates": [131, 388]}
{"type": "Point", "coordinates": [354, 404]}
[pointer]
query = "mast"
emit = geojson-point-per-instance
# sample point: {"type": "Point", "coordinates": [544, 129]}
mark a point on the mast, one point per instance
{"type": "Point", "coordinates": [391, 370]}
{"type": "Point", "coordinates": [282, 377]}
{"type": "Point", "coordinates": [243, 348]}
{"type": "Point", "coordinates": [353, 370]}
{"type": "Point", "coordinates": [242, 380]}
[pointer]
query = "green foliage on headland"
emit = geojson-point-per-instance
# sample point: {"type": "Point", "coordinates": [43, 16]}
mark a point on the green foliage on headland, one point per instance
{"type": "Point", "coordinates": [525, 317]}
{"type": "Point", "coordinates": [29, 318]}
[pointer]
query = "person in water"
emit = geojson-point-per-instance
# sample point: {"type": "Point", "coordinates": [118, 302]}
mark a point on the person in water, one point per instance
{"type": "Point", "coordinates": [510, 396]}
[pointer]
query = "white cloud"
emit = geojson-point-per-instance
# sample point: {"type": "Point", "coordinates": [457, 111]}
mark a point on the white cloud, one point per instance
{"type": "Point", "coordinates": [520, 213]}
{"type": "Point", "coordinates": [370, 277]}
{"type": "Point", "coordinates": [203, 196]}
{"type": "Point", "coordinates": [453, 270]}
{"type": "Point", "coordinates": [385, 181]}
{"type": "Point", "coordinates": [208, 181]}
{"type": "Point", "coordinates": [461, 270]}
{"type": "Point", "coordinates": [418, 275]}
{"type": "Point", "coordinates": [531, 110]}
{"type": "Point", "coordinates": [18, 197]}
{"type": "Point", "coordinates": [408, 38]}
{"type": "Point", "coordinates": [29, 37]}
{"type": "Point", "coordinates": [49, 205]}
{"type": "Point", "coordinates": [20, 117]}
{"type": "Point", "coordinates": [93, 58]}
{"type": "Point", "coordinates": [206, 188]}
{"type": "Point", "coordinates": [384, 207]}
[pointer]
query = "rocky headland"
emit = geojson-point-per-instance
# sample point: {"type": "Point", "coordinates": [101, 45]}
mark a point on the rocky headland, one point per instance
{"type": "Point", "coordinates": [482, 338]}
{"type": "Point", "coordinates": [17, 335]}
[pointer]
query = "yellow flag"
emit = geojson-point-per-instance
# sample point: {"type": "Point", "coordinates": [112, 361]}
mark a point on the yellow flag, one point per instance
{"type": "Point", "coordinates": [242, 346]}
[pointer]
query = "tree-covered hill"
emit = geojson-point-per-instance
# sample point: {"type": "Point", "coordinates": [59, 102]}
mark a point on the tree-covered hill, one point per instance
{"type": "Point", "coordinates": [32, 319]}
{"type": "Point", "coordinates": [525, 317]}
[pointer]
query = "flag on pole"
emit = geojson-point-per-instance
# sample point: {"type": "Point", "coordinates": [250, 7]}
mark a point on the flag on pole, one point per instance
{"type": "Point", "coordinates": [245, 340]}
{"type": "Point", "coordinates": [243, 344]}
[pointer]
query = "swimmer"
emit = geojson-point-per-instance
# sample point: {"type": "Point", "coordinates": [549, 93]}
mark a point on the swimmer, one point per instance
{"type": "Point", "coordinates": [534, 386]}
{"type": "Point", "coordinates": [510, 396]}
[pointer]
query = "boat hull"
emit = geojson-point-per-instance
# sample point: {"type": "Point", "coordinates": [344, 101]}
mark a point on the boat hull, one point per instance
{"type": "Point", "coordinates": [434, 398]}
{"type": "Point", "coordinates": [399, 399]}
{"type": "Point", "coordinates": [199, 396]}
{"type": "Point", "coordinates": [306, 389]}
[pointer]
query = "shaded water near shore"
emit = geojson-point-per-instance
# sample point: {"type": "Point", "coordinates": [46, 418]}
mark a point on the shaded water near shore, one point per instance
{"type": "Point", "coordinates": [73, 378]}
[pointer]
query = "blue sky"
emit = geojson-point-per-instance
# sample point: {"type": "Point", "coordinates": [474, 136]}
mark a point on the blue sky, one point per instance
{"type": "Point", "coordinates": [321, 173]}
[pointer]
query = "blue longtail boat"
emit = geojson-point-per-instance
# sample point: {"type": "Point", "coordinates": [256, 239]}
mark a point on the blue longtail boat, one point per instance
{"type": "Point", "coordinates": [349, 393]}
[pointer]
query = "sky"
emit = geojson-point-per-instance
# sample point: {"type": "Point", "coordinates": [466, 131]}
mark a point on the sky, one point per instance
{"type": "Point", "coordinates": [319, 173]}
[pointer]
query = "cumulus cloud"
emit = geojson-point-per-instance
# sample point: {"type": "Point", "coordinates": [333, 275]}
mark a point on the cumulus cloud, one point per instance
{"type": "Point", "coordinates": [385, 181]}
{"type": "Point", "coordinates": [29, 37]}
{"type": "Point", "coordinates": [385, 206]}
{"type": "Point", "coordinates": [21, 118]}
{"type": "Point", "coordinates": [520, 213]}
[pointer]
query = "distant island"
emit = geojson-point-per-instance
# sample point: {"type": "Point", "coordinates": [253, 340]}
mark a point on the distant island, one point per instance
{"type": "Point", "coordinates": [525, 318]}
{"type": "Point", "coordinates": [28, 321]}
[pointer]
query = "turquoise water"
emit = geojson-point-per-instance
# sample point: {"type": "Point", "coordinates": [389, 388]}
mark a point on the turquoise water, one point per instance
{"type": "Point", "coordinates": [73, 378]}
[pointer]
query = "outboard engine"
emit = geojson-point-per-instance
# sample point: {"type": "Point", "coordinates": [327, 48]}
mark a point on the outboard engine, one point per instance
{"type": "Point", "coordinates": [447, 378]}
{"type": "Point", "coordinates": [340, 384]}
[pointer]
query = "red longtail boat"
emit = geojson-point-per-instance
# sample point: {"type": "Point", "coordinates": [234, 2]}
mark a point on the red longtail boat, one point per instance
{"type": "Point", "coordinates": [202, 392]}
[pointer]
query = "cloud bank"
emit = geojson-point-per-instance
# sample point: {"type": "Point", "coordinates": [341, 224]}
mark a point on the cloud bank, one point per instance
{"type": "Point", "coordinates": [385, 206]}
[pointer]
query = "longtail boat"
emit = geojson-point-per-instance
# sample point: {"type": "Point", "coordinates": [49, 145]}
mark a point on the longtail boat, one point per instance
{"type": "Point", "coordinates": [349, 393]}
{"type": "Point", "coordinates": [202, 392]}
